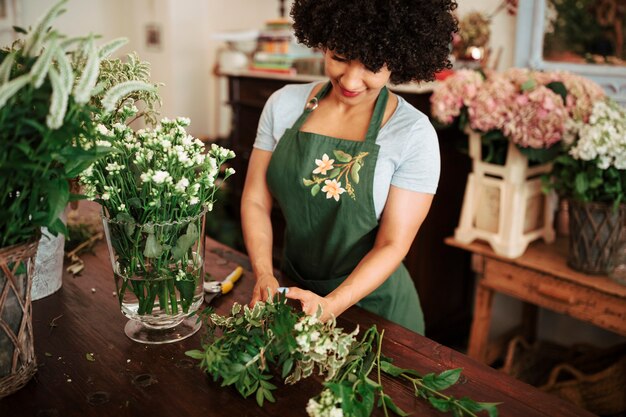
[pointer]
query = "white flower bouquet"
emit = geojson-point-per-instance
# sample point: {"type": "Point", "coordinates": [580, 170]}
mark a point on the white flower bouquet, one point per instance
{"type": "Point", "coordinates": [155, 187]}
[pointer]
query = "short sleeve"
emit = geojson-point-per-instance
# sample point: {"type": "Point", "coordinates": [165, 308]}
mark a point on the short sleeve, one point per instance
{"type": "Point", "coordinates": [420, 165]}
{"type": "Point", "coordinates": [265, 132]}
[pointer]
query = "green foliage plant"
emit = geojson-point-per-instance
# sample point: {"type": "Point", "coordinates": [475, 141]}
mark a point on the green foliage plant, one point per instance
{"type": "Point", "coordinates": [248, 347]}
{"type": "Point", "coordinates": [47, 125]}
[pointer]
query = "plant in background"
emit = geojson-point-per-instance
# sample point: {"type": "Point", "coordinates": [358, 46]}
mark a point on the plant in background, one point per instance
{"type": "Point", "coordinates": [534, 110]}
{"type": "Point", "coordinates": [47, 129]}
{"type": "Point", "coordinates": [125, 75]}
{"type": "Point", "coordinates": [248, 346]}
{"type": "Point", "coordinates": [594, 167]}
{"type": "Point", "coordinates": [155, 187]}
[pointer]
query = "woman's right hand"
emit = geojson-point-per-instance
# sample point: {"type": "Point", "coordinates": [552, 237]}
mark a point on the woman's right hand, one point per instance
{"type": "Point", "coordinates": [266, 286]}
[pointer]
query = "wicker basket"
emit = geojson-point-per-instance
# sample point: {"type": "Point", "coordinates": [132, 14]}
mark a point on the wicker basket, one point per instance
{"type": "Point", "coordinates": [17, 355]}
{"type": "Point", "coordinates": [591, 378]}
{"type": "Point", "coordinates": [594, 235]}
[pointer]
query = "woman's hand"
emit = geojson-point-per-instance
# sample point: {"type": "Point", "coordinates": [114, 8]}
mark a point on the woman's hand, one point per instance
{"type": "Point", "coordinates": [310, 302]}
{"type": "Point", "coordinates": [264, 288]}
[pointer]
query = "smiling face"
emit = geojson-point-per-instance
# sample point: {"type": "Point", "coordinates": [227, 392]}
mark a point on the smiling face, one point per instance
{"type": "Point", "coordinates": [352, 82]}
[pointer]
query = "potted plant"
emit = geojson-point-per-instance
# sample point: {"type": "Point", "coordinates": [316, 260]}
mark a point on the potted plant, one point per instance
{"type": "Point", "coordinates": [591, 175]}
{"type": "Point", "coordinates": [48, 134]}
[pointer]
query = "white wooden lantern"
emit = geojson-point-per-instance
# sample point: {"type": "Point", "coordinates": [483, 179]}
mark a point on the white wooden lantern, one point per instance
{"type": "Point", "coordinates": [504, 204]}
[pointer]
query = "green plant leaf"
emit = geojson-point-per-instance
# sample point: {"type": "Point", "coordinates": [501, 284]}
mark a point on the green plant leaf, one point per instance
{"type": "Point", "coordinates": [391, 369]}
{"type": "Point", "coordinates": [392, 406]}
{"type": "Point", "coordinates": [580, 183]}
{"type": "Point", "coordinates": [307, 183]}
{"type": "Point", "coordinates": [342, 156]}
{"type": "Point", "coordinates": [185, 242]}
{"type": "Point", "coordinates": [260, 396]}
{"type": "Point", "coordinates": [315, 190]}
{"type": "Point", "coordinates": [354, 172]}
{"type": "Point", "coordinates": [195, 354]}
{"type": "Point", "coordinates": [559, 88]}
{"type": "Point", "coordinates": [440, 404]}
{"type": "Point", "coordinates": [529, 85]}
{"type": "Point", "coordinates": [442, 381]}
{"type": "Point", "coordinates": [153, 249]}
{"type": "Point", "coordinates": [58, 197]}
{"type": "Point", "coordinates": [334, 172]}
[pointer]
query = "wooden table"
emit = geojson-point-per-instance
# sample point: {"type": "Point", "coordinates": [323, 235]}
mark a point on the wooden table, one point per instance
{"type": "Point", "coordinates": [540, 278]}
{"type": "Point", "coordinates": [132, 379]}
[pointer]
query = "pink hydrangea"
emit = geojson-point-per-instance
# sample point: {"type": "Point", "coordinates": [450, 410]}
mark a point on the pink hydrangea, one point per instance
{"type": "Point", "coordinates": [536, 118]}
{"type": "Point", "coordinates": [489, 109]}
{"type": "Point", "coordinates": [453, 93]}
{"type": "Point", "coordinates": [582, 93]}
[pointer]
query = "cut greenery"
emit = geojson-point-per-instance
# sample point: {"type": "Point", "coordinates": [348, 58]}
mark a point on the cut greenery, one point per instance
{"type": "Point", "coordinates": [247, 348]}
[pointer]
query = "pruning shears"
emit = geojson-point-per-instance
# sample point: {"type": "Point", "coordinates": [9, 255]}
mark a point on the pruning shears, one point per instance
{"type": "Point", "coordinates": [213, 289]}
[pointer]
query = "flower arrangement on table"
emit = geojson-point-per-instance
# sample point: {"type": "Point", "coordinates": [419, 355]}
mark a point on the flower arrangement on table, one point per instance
{"type": "Point", "coordinates": [155, 188]}
{"type": "Point", "coordinates": [533, 109]}
{"type": "Point", "coordinates": [247, 347]}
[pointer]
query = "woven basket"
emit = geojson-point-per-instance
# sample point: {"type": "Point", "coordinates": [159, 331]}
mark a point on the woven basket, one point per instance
{"type": "Point", "coordinates": [17, 355]}
{"type": "Point", "coordinates": [594, 235]}
{"type": "Point", "coordinates": [587, 376]}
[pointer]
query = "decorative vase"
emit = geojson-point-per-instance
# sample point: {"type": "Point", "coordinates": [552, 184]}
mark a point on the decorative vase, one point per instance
{"type": "Point", "coordinates": [159, 271]}
{"type": "Point", "coordinates": [17, 354]}
{"type": "Point", "coordinates": [504, 204]}
{"type": "Point", "coordinates": [595, 230]}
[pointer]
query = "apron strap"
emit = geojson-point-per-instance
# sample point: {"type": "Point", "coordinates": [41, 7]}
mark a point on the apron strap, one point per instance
{"type": "Point", "coordinates": [377, 118]}
{"type": "Point", "coordinates": [375, 121]}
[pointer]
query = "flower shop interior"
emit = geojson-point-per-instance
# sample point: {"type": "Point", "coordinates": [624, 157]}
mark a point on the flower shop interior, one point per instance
{"type": "Point", "coordinates": [520, 264]}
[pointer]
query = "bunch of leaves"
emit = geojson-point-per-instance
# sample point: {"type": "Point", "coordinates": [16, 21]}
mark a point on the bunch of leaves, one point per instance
{"type": "Point", "coordinates": [585, 181]}
{"type": "Point", "coordinates": [248, 347]}
{"type": "Point", "coordinates": [119, 74]}
{"type": "Point", "coordinates": [47, 129]}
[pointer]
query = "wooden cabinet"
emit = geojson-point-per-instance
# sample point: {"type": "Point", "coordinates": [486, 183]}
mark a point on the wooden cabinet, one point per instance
{"type": "Point", "coordinates": [442, 274]}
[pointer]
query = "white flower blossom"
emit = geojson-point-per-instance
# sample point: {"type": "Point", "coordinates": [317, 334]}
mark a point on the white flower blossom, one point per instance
{"type": "Point", "coordinates": [182, 185]}
{"type": "Point", "coordinates": [193, 201]}
{"type": "Point", "coordinates": [161, 177]}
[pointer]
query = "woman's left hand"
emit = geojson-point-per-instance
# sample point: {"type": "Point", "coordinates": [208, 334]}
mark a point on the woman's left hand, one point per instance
{"type": "Point", "coordinates": [310, 302]}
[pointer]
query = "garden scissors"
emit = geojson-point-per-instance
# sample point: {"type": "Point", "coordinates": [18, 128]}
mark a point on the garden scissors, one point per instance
{"type": "Point", "coordinates": [214, 289]}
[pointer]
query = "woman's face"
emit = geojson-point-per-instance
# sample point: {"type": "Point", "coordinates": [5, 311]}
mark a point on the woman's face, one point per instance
{"type": "Point", "coordinates": [352, 82]}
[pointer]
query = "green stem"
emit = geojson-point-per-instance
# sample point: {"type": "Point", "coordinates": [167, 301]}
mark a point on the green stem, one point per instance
{"type": "Point", "coordinates": [417, 382]}
{"type": "Point", "coordinates": [382, 392]}
{"type": "Point", "coordinates": [170, 284]}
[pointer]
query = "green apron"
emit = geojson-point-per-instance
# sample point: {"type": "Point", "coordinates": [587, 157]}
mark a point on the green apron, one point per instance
{"type": "Point", "coordinates": [324, 187]}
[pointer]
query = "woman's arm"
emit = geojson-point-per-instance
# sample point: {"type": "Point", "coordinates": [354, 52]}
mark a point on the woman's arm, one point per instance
{"type": "Point", "coordinates": [256, 206]}
{"type": "Point", "coordinates": [401, 219]}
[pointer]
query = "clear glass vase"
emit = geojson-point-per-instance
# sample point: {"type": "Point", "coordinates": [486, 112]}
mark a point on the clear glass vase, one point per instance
{"type": "Point", "coordinates": [158, 270]}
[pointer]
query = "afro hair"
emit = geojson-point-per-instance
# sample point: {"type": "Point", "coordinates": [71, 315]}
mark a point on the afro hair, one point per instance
{"type": "Point", "coordinates": [412, 37]}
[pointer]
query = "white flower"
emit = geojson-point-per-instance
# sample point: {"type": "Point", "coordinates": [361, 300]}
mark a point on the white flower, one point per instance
{"type": "Point", "coordinates": [145, 177]}
{"type": "Point", "coordinates": [160, 177]}
{"type": "Point", "coordinates": [299, 327]}
{"type": "Point", "coordinates": [104, 143]}
{"type": "Point", "coordinates": [103, 130]}
{"type": "Point", "coordinates": [106, 196]}
{"type": "Point", "coordinates": [122, 207]}
{"type": "Point", "coordinates": [323, 165]}
{"type": "Point", "coordinates": [229, 171]}
{"type": "Point", "coordinates": [183, 121]}
{"type": "Point", "coordinates": [182, 185]}
{"type": "Point", "coordinates": [166, 144]}
{"type": "Point", "coordinates": [193, 201]}
{"type": "Point", "coordinates": [114, 167]}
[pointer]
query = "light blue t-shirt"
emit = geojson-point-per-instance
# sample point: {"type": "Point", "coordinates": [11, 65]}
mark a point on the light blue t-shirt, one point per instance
{"type": "Point", "coordinates": [409, 150]}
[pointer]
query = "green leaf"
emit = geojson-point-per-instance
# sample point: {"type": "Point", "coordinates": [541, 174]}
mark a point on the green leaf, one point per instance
{"type": "Point", "coordinates": [391, 369]}
{"type": "Point", "coordinates": [260, 396]}
{"type": "Point", "coordinates": [20, 29]}
{"type": "Point", "coordinates": [440, 404]}
{"type": "Point", "coordinates": [334, 172]}
{"type": "Point", "coordinates": [58, 196]}
{"type": "Point", "coordinates": [580, 183]}
{"type": "Point", "coordinates": [542, 155]}
{"type": "Point", "coordinates": [185, 242]}
{"type": "Point", "coordinates": [195, 354]}
{"type": "Point", "coordinates": [354, 172]}
{"type": "Point", "coordinates": [442, 381]}
{"type": "Point", "coordinates": [315, 190]}
{"type": "Point", "coordinates": [287, 366]}
{"type": "Point", "coordinates": [342, 156]}
{"type": "Point", "coordinates": [89, 357]}
{"type": "Point", "coordinates": [559, 88]}
{"type": "Point", "coordinates": [392, 406]}
{"type": "Point", "coordinates": [528, 85]}
{"type": "Point", "coordinates": [152, 249]}
{"type": "Point", "coordinates": [307, 183]}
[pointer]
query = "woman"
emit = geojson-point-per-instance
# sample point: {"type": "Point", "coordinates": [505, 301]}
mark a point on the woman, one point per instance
{"type": "Point", "coordinates": [353, 167]}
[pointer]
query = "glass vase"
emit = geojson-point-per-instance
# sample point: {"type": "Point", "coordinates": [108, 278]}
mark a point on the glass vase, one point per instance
{"type": "Point", "coordinates": [158, 270]}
